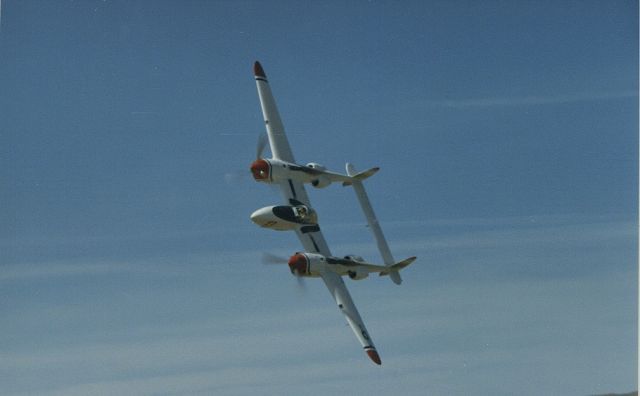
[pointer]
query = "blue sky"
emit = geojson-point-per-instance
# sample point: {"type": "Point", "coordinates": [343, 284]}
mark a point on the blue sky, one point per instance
{"type": "Point", "coordinates": [507, 134]}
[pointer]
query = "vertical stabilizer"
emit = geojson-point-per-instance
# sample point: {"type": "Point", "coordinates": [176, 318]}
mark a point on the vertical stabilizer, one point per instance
{"type": "Point", "coordinates": [373, 224]}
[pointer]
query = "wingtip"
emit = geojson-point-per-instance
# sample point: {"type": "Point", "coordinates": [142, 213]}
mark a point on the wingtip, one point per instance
{"type": "Point", "coordinates": [373, 355]}
{"type": "Point", "coordinates": [258, 71]}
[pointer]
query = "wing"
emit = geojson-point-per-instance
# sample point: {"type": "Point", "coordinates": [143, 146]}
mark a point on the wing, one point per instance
{"type": "Point", "coordinates": [311, 237]}
{"type": "Point", "coordinates": [277, 139]}
{"type": "Point", "coordinates": [341, 295]}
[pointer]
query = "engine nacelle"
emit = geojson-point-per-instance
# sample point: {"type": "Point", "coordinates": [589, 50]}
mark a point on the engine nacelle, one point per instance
{"type": "Point", "coordinates": [270, 170]}
{"type": "Point", "coordinates": [321, 181]}
{"type": "Point", "coordinates": [307, 264]}
{"type": "Point", "coordinates": [276, 171]}
{"type": "Point", "coordinates": [261, 170]}
{"type": "Point", "coordinates": [358, 273]}
{"type": "Point", "coordinates": [314, 264]}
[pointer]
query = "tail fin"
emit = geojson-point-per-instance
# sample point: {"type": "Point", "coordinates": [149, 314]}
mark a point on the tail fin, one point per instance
{"type": "Point", "coordinates": [361, 176]}
{"type": "Point", "coordinates": [398, 266]}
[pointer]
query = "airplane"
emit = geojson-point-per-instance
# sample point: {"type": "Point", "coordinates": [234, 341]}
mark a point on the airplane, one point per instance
{"type": "Point", "coordinates": [298, 215]}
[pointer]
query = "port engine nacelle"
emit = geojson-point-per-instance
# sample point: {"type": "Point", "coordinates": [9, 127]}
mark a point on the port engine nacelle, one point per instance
{"type": "Point", "coordinates": [307, 264]}
{"type": "Point", "coordinates": [313, 264]}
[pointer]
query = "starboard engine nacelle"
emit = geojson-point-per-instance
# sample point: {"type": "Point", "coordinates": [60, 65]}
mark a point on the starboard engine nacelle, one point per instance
{"type": "Point", "coordinates": [313, 264]}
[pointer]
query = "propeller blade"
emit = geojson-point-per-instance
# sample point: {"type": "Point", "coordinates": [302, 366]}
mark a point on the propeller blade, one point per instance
{"type": "Point", "coordinates": [234, 177]}
{"type": "Point", "coordinates": [268, 258]}
{"type": "Point", "coordinates": [302, 285]}
{"type": "Point", "coordinates": [262, 144]}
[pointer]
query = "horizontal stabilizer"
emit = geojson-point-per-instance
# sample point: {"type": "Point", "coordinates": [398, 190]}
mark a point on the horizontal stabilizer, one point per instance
{"type": "Point", "coordinates": [398, 266]}
{"type": "Point", "coordinates": [361, 176]}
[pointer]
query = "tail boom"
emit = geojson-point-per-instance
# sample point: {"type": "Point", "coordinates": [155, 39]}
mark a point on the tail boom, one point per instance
{"type": "Point", "coordinates": [374, 225]}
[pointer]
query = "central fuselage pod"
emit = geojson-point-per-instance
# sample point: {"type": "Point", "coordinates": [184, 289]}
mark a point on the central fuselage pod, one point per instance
{"type": "Point", "coordinates": [285, 217]}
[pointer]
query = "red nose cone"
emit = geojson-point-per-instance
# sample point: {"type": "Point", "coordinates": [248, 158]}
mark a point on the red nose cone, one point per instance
{"type": "Point", "coordinates": [373, 354]}
{"type": "Point", "coordinates": [258, 71]}
{"type": "Point", "coordinates": [260, 170]}
{"type": "Point", "coordinates": [298, 264]}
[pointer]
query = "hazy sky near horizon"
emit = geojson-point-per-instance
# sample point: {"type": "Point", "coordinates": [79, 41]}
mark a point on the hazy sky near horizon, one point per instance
{"type": "Point", "coordinates": [507, 134]}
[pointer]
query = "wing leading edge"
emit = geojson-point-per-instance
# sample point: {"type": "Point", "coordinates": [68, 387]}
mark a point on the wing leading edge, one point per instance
{"type": "Point", "coordinates": [312, 241]}
{"type": "Point", "coordinates": [275, 130]}
{"type": "Point", "coordinates": [341, 295]}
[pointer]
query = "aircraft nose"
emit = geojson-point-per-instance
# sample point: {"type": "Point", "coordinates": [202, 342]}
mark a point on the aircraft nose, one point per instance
{"type": "Point", "coordinates": [259, 215]}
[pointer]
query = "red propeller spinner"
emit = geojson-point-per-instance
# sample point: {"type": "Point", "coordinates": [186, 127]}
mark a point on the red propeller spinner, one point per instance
{"type": "Point", "coordinates": [260, 169]}
{"type": "Point", "coordinates": [298, 264]}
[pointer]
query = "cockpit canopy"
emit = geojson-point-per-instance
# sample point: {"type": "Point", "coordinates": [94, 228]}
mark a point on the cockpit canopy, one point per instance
{"type": "Point", "coordinates": [299, 214]}
{"type": "Point", "coordinates": [305, 214]}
